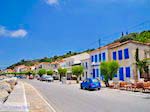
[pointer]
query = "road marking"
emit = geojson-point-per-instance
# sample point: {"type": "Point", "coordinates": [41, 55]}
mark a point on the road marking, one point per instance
{"type": "Point", "coordinates": [25, 100]}
{"type": "Point", "coordinates": [53, 110]}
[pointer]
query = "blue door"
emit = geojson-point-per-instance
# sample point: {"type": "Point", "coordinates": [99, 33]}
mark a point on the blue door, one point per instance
{"type": "Point", "coordinates": [93, 73]}
{"type": "Point", "coordinates": [121, 76]}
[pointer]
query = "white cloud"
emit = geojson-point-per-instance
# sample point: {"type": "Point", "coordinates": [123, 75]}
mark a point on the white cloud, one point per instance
{"type": "Point", "coordinates": [52, 2]}
{"type": "Point", "coordinates": [20, 33]}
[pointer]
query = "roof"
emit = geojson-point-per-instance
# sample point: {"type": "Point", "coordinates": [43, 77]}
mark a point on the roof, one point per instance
{"type": "Point", "coordinates": [129, 41]}
{"type": "Point", "coordinates": [20, 66]}
{"type": "Point", "coordinates": [44, 63]}
{"type": "Point", "coordinates": [117, 44]}
{"type": "Point", "coordinates": [105, 47]}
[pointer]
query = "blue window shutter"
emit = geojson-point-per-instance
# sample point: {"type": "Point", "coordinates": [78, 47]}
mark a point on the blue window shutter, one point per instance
{"type": "Point", "coordinates": [86, 64]}
{"type": "Point", "coordinates": [97, 71]}
{"type": "Point", "coordinates": [126, 53]}
{"type": "Point", "coordinates": [104, 56]}
{"type": "Point", "coordinates": [93, 73]}
{"type": "Point", "coordinates": [114, 56]}
{"type": "Point", "coordinates": [92, 59]}
{"type": "Point", "coordinates": [99, 57]}
{"type": "Point", "coordinates": [121, 74]}
{"type": "Point", "coordinates": [120, 54]}
{"type": "Point", "coordinates": [95, 58]}
{"type": "Point", "coordinates": [128, 72]}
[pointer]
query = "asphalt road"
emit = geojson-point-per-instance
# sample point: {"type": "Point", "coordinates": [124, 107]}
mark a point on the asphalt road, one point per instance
{"type": "Point", "coordinates": [70, 98]}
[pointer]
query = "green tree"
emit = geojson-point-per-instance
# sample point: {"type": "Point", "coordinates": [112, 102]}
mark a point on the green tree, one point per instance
{"type": "Point", "coordinates": [137, 65]}
{"type": "Point", "coordinates": [62, 72]}
{"type": "Point", "coordinates": [50, 72]}
{"type": "Point", "coordinates": [77, 70]}
{"type": "Point", "coordinates": [109, 70]}
{"type": "Point", "coordinates": [41, 72]}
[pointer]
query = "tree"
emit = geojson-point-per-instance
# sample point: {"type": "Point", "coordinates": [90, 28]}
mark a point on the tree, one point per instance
{"type": "Point", "coordinates": [50, 72]}
{"type": "Point", "coordinates": [62, 72]}
{"type": "Point", "coordinates": [109, 70]}
{"type": "Point", "coordinates": [41, 72]}
{"type": "Point", "coordinates": [77, 70]}
{"type": "Point", "coordinates": [137, 64]}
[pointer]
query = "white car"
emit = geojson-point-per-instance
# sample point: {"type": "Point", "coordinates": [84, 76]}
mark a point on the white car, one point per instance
{"type": "Point", "coordinates": [49, 78]}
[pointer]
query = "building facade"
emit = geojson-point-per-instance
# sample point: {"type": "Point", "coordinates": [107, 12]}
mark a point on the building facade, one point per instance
{"type": "Point", "coordinates": [124, 54]}
{"type": "Point", "coordinates": [86, 63]}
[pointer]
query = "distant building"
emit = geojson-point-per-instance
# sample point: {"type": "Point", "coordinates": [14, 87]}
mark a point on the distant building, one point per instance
{"type": "Point", "coordinates": [19, 68]}
{"type": "Point", "coordinates": [8, 71]}
{"type": "Point", "coordinates": [73, 61]}
{"type": "Point", "coordinates": [43, 65]}
{"type": "Point", "coordinates": [86, 63]}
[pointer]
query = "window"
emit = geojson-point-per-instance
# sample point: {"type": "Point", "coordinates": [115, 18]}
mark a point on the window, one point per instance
{"type": "Point", "coordinates": [114, 56]}
{"type": "Point", "coordinates": [120, 54]}
{"type": "Point", "coordinates": [86, 64]}
{"type": "Point", "coordinates": [93, 73]}
{"type": "Point", "coordinates": [99, 57]}
{"type": "Point", "coordinates": [97, 72]}
{"type": "Point", "coordinates": [126, 53]}
{"type": "Point", "coordinates": [95, 58]}
{"type": "Point", "coordinates": [104, 56]}
{"type": "Point", "coordinates": [92, 59]}
{"type": "Point", "coordinates": [121, 74]}
{"type": "Point", "coordinates": [128, 72]}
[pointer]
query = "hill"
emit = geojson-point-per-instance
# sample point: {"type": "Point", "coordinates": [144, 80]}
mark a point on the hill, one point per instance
{"type": "Point", "coordinates": [141, 37]}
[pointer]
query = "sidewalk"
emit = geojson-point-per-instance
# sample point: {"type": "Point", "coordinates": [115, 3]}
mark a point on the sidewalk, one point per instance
{"type": "Point", "coordinates": [16, 101]}
{"type": "Point", "coordinates": [35, 101]}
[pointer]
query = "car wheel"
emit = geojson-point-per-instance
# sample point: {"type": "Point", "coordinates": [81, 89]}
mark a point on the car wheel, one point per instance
{"type": "Point", "coordinates": [99, 88]}
{"type": "Point", "coordinates": [81, 87]}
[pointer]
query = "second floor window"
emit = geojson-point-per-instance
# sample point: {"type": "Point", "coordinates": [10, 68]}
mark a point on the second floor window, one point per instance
{"type": "Point", "coordinates": [114, 55]}
{"type": "Point", "coordinates": [92, 59]}
{"type": "Point", "coordinates": [86, 64]}
{"type": "Point", "coordinates": [95, 58]}
{"type": "Point", "coordinates": [104, 56]}
{"type": "Point", "coordinates": [99, 57]}
{"type": "Point", "coordinates": [126, 53]}
{"type": "Point", "coordinates": [120, 54]}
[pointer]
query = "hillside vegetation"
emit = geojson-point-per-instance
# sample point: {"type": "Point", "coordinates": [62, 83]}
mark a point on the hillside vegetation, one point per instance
{"type": "Point", "coordinates": [141, 37]}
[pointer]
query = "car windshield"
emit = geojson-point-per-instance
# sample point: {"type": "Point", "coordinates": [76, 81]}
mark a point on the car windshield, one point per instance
{"type": "Point", "coordinates": [94, 80]}
{"type": "Point", "coordinates": [48, 76]}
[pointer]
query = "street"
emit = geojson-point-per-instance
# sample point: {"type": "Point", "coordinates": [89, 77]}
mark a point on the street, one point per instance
{"type": "Point", "coordinates": [70, 98]}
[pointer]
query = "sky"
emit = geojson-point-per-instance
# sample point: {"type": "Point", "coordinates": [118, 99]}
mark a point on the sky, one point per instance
{"type": "Point", "coordinates": [32, 29]}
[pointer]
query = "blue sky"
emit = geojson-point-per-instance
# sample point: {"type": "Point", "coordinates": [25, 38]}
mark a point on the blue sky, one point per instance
{"type": "Point", "coordinates": [31, 29]}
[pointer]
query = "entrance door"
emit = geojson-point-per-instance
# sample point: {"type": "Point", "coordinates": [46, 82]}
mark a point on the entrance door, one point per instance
{"type": "Point", "coordinates": [121, 76]}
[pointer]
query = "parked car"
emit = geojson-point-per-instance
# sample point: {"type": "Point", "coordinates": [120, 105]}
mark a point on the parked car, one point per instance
{"type": "Point", "coordinates": [46, 78]}
{"type": "Point", "coordinates": [55, 77]}
{"type": "Point", "coordinates": [49, 78]}
{"type": "Point", "coordinates": [91, 84]}
{"type": "Point", "coordinates": [31, 77]}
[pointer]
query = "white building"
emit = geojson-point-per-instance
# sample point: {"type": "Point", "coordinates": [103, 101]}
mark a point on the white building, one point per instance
{"type": "Point", "coordinates": [73, 61]}
{"type": "Point", "coordinates": [86, 63]}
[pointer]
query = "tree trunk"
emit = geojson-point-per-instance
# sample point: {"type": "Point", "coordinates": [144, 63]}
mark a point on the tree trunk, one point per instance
{"type": "Point", "coordinates": [136, 74]}
{"type": "Point", "coordinates": [78, 79]}
{"type": "Point", "coordinates": [60, 78]}
{"type": "Point", "coordinates": [107, 83]}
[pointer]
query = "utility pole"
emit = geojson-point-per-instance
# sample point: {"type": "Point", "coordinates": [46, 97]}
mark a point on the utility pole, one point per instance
{"type": "Point", "coordinates": [99, 43]}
